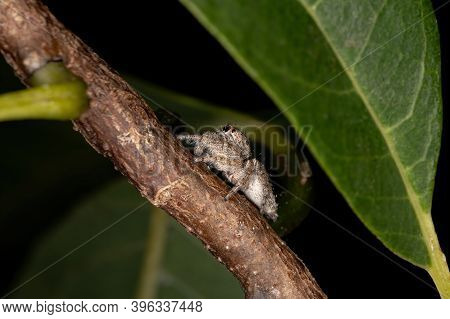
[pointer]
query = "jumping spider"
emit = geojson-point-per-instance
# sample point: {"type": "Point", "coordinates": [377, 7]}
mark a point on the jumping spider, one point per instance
{"type": "Point", "coordinates": [228, 151]}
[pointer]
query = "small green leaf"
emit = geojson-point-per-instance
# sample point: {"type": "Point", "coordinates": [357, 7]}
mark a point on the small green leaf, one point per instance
{"type": "Point", "coordinates": [365, 75]}
{"type": "Point", "coordinates": [99, 252]}
{"type": "Point", "coordinates": [282, 152]}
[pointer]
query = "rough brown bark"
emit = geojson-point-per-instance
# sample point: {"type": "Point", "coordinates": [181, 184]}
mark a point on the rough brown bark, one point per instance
{"type": "Point", "coordinates": [120, 126]}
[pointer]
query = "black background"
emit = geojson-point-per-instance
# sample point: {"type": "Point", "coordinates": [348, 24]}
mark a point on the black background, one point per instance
{"type": "Point", "coordinates": [161, 42]}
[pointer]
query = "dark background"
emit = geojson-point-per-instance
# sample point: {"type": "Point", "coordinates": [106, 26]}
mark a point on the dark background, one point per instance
{"type": "Point", "coordinates": [161, 42]}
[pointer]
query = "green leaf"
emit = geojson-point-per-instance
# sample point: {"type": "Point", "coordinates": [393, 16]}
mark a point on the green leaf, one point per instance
{"type": "Point", "coordinates": [106, 249]}
{"type": "Point", "coordinates": [365, 75]}
{"type": "Point", "coordinates": [200, 114]}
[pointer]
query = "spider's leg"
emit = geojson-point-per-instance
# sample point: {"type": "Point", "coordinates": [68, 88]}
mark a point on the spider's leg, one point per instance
{"type": "Point", "coordinates": [233, 191]}
{"type": "Point", "coordinates": [200, 151]}
{"type": "Point", "coordinates": [203, 156]}
{"type": "Point", "coordinates": [190, 139]}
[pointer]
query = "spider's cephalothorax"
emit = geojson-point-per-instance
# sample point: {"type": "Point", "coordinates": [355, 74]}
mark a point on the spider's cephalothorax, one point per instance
{"type": "Point", "coordinates": [228, 151]}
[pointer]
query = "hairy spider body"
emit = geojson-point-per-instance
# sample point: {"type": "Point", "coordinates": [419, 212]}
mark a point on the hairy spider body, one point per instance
{"type": "Point", "coordinates": [228, 151]}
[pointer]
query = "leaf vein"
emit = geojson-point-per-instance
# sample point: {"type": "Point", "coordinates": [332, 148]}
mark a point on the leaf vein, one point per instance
{"type": "Point", "coordinates": [370, 33]}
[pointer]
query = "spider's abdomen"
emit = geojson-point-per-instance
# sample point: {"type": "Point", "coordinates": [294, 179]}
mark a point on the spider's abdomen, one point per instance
{"type": "Point", "coordinates": [255, 192]}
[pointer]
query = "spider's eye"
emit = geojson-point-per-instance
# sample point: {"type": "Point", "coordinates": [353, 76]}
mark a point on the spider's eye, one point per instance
{"type": "Point", "coordinates": [226, 128]}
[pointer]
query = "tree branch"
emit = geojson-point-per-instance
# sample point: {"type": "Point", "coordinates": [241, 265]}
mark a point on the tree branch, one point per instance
{"type": "Point", "coordinates": [120, 126]}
